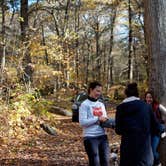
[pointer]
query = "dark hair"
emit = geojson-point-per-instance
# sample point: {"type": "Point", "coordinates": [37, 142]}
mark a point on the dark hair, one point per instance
{"type": "Point", "coordinates": [93, 85]}
{"type": "Point", "coordinates": [149, 92]}
{"type": "Point", "coordinates": [153, 97]}
{"type": "Point", "coordinates": [131, 90]}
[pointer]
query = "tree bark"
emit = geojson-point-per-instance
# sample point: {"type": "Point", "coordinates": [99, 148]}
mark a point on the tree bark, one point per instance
{"type": "Point", "coordinates": [130, 76]}
{"type": "Point", "coordinates": [155, 24]}
{"type": "Point", "coordinates": [97, 38]}
{"type": "Point", "coordinates": [24, 15]}
{"type": "Point", "coordinates": [3, 57]}
{"type": "Point", "coordinates": [87, 63]}
{"type": "Point", "coordinates": [155, 28]}
{"type": "Point", "coordinates": [110, 57]}
{"type": "Point", "coordinates": [24, 28]}
{"type": "Point", "coordinates": [76, 27]}
{"type": "Point", "coordinates": [66, 18]}
{"type": "Point", "coordinates": [44, 44]}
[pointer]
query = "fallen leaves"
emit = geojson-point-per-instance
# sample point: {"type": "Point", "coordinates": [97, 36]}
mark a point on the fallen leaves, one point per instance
{"type": "Point", "coordinates": [23, 142]}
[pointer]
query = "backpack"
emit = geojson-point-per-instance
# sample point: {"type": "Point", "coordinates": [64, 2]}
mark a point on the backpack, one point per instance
{"type": "Point", "coordinates": [76, 104]}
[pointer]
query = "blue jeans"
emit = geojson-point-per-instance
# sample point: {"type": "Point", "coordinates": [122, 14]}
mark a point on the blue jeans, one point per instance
{"type": "Point", "coordinates": [97, 149]}
{"type": "Point", "coordinates": [155, 143]}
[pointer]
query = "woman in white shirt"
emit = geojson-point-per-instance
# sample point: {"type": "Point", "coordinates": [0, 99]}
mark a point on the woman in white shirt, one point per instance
{"type": "Point", "coordinates": [91, 113]}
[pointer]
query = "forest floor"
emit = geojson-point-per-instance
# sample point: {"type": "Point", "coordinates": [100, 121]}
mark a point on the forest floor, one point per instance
{"type": "Point", "coordinates": [41, 149]}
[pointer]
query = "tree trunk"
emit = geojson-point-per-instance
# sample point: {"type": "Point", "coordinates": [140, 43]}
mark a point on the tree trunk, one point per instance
{"type": "Point", "coordinates": [24, 27]}
{"type": "Point", "coordinates": [155, 27]}
{"type": "Point", "coordinates": [36, 15]}
{"type": "Point", "coordinates": [76, 27]}
{"type": "Point", "coordinates": [2, 60]}
{"type": "Point", "coordinates": [24, 15]}
{"type": "Point", "coordinates": [130, 72]}
{"type": "Point", "coordinates": [66, 18]}
{"type": "Point", "coordinates": [110, 57]}
{"type": "Point", "coordinates": [98, 74]}
{"type": "Point", "coordinates": [87, 63]}
{"type": "Point", "coordinates": [44, 44]}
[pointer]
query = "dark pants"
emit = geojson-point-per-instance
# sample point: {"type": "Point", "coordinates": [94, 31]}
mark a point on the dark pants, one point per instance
{"type": "Point", "coordinates": [97, 149]}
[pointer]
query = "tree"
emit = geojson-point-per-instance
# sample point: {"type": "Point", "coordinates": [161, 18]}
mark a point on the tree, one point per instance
{"type": "Point", "coordinates": [24, 28]}
{"type": "Point", "coordinates": [24, 15]}
{"type": "Point", "coordinates": [76, 26]}
{"type": "Point", "coordinates": [111, 42]}
{"type": "Point", "coordinates": [3, 56]}
{"type": "Point", "coordinates": [130, 77]}
{"type": "Point", "coordinates": [155, 28]}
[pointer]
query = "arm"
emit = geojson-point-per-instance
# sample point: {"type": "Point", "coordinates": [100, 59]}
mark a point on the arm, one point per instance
{"type": "Point", "coordinates": [83, 116]}
{"type": "Point", "coordinates": [118, 122]}
{"type": "Point", "coordinates": [162, 109]}
{"type": "Point", "coordinates": [163, 112]}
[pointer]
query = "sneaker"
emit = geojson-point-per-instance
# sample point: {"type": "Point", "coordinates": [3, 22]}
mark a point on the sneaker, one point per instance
{"type": "Point", "coordinates": [163, 135]}
{"type": "Point", "coordinates": [113, 156]}
{"type": "Point", "coordinates": [157, 164]}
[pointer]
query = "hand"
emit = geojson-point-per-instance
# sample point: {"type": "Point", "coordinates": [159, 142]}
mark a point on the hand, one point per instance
{"type": "Point", "coordinates": [102, 119]}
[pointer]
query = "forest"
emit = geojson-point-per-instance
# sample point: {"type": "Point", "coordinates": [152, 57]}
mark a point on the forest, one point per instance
{"type": "Point", "coordinates": [51, 49]}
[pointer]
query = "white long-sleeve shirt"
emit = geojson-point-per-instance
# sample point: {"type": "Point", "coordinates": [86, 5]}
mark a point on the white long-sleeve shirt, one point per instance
{"type": "Point", "coordinates": [163, 112]}
{"type": "Point", "coordinates": [89, 113]}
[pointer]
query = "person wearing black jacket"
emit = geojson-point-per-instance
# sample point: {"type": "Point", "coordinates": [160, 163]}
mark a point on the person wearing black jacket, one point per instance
{"type": "Point", "coordinates": [135, 122]}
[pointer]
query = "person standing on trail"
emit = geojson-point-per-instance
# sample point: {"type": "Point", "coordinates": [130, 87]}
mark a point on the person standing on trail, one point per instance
{"type": "Point", "coordinates": [158, 110]}
{"type": "Point", "coordinates": [91, 113]}
{"type": "Point", "coordinates": [135, 122]}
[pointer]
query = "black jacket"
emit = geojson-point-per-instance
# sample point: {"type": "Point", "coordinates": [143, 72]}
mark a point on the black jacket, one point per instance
{"type": "Point", "coordinates": [135, 122]}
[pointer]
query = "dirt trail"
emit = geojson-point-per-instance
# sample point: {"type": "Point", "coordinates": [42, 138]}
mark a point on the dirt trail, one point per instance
{"type": "Point", "coordinates": [64, 149]}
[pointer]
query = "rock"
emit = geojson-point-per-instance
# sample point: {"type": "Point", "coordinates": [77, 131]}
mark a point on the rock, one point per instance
{"type": "Point", "coordinates": [60, 111]}
{"type": "Point", "coordinates": [48, 129]}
